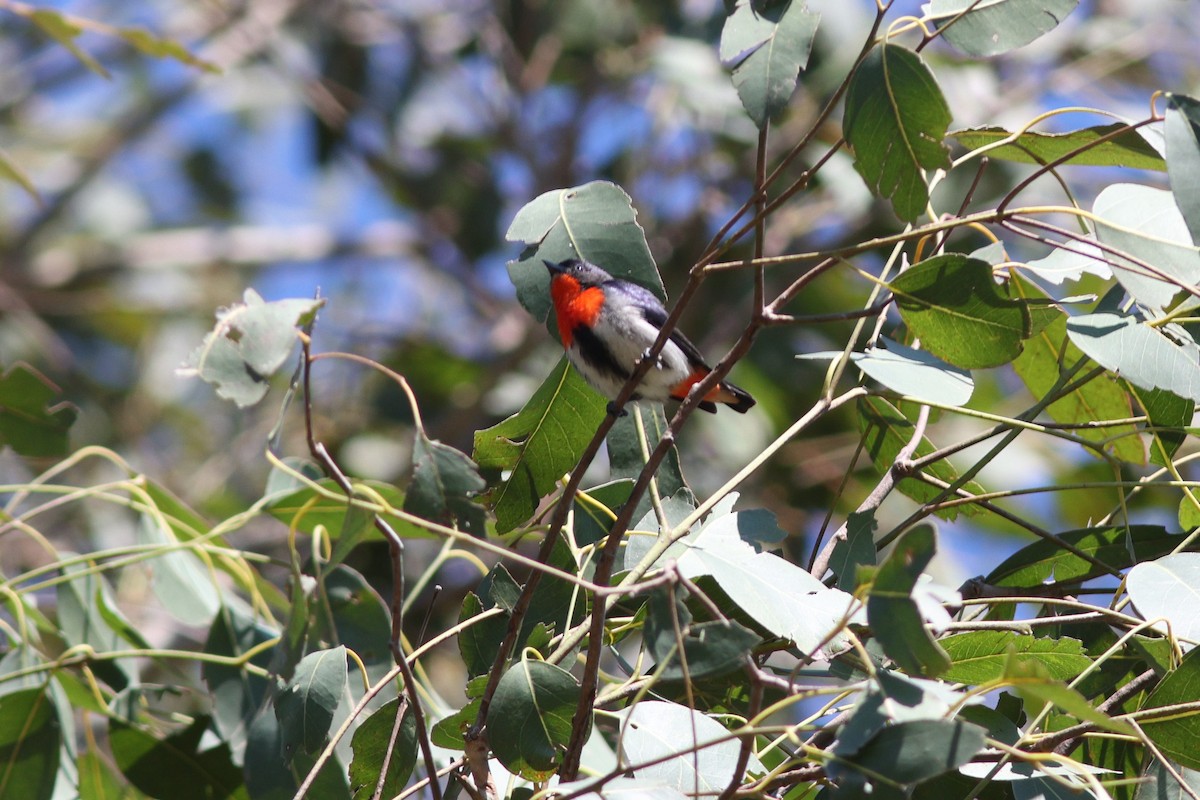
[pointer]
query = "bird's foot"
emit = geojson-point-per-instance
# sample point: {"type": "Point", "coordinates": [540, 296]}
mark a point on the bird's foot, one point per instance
{"type": "Point", "coordinates": [612, 409]}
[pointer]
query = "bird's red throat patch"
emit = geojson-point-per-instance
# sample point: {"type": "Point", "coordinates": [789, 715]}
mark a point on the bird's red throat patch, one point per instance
{"type": "Point", "coordinates": [574, 305]}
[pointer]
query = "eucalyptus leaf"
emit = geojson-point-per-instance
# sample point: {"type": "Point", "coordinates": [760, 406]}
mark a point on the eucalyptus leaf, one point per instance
{"type": "Point", "coordinates": [681, 748]}
{"type": "Point", "coordinates": [306, 705]}
{"type": "Point", "coordinates": [1146, 223]}
{"type": "Point", "coordinates": [1127, 149]}
{"type": "Point", "coordinates": [992, 27]}
{"type": "Point", "coordinates": [33, 421]}
{"type": "Point", "coordinates": [596, 222]}
{"type": "Point", "coordinates": [895, 121]}
{"type": "Point", "coordinates": [767, 46]}
{"type": "Point", "coordinates": [250, 342]}
{"type": "Point", "coordinates": [1176, 734]}
{"type": "Point", "coordinates": [529, 720]}
{"type": "Point", "coordinates": [893, 614]}
{"type": "Point", "coordinates": [916, 373]}
{"type": "Point", "coordinates": [1182, 127]}
{"type": "Point", "coordinates": [1139, 353]}
{"type": "Point", "coordinates": [954, 305]}
{"type": "Point", "coordinates": [539, 444]}
{"type": "Point", "coordinates": [1168, 589]}
{"type": "Point", "coordinates": [31, 744]}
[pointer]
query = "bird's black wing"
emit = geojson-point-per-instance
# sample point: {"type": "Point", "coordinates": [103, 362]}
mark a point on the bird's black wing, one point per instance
{"type": "Point", "coordinates": [656, 315]}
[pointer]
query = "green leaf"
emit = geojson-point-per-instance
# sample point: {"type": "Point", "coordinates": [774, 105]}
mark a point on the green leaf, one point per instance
{"type": "Point", "coordinates": [556, 603]}
{"type": "Point", "coordinates": [1182, 128]}
{"type": "Point", "coordinates": [449, 731]}
{"type": "Point", "coordinates": [269, 776]}
{"type": "Point", "coordinates": [596, 222]}
{"type": "Point", "coordinates": [892, 613]}
{"type": "Point", "coordinates": [980, 656]}
{"type": "Point", "coordinates": [250, 342]}
{"type": "Point", "coordinates": [916, 373]}
{"type": "Point", "coordinates": [31, 741]}
{"type": "Point", "coordinates": [1046, 354]}
{"type": "Point", "coordinates": [1168, 415]}
{"type": "Point", "coordinates": [444, 481]}
{"type": "Point", "coordinates": [1127, 149]}
{"type": "Point", "coordinates": [591, 523]}
{"type": "Point", "coordinates": [31, 421]}
{"type": "Point", "coordinates": [174, 768]}
{"type": "Point", "coordinates": [952, 303]}
{"type": "Point", "coordinates": [682, 748]}
{"type": "Point", "coordinates": [993, 27]}
{"type": "Point", "coordinates": [1031, 680]}
{"type": "Point", "coordinates": [360, 617]}
{"type": "Point", "coordinates": [12, 171]}
{"type": "Point", "coordinates": [895, 122]}
{"type": "Point", "coordinates": [98, 779]}
{"type": "Point", "coordinates": [885, 433]}
{"type": "Point", "coordinates": [384, 740]}
{"type": "Point", "coordinates": [625, 451]}
{"type": "Point", "coordinates": [1158, 784]}
{"type": "Point", "coordinates": [709, 649]}
{"type": "Point", "coordinates": [1146, 223]}
{"type": "Point", "coordinates": [767, 46]}
{"type": "Point", "coordinates": [159, 47]}
{"type": "Point", "coordinates": [306, 705]}
{"type": "Point", "coordinates": [529, 720]}
{"type": "Point", "coordinates": [911, 752]}
{"type": "Point", "coordinates": [1042, 560]}
{"type": "Point", "coordinates": [237, 694]}
{"type": "Point", "coordinates": [856, 550]}
{"type": "Point", "coordinates": [64, 31]}
{"type": "Point", "coordinates": [307, 508]}
{"type": "Point", "coordinates": [1141, 353]}
{"type": "Point", "coordinates": [539, 444]}
{"type": "Point", "coordinates": [479, 642]}
{"type": "Point", "coordinates": [1168, 588]}
{"type": "Point", "coordinates": [80, 622]}
{"type": "Point", "coordinates": [183, 583]}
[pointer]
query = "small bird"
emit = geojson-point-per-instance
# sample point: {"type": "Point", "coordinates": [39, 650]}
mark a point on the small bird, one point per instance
{"type": "Point", "coordinates": [607, 324]}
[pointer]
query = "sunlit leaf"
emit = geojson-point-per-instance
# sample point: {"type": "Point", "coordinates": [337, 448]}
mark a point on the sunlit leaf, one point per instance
{"type": "Point", "coordinates": [682, 748]}
{"type": "Point", "coordinates": [992, 27]}
{"type": "Point", "coordinates": [1040, 366]}
{"type": "Point", "coordinates": [1168, 589]}
{"type": "Point", "coordinates": [917, 373]}
{"type": "Point", "coordinates": [1146, 223]}
{"type": "Point", "coordinates": [250, 342]}
{"type": "Point", "coordinates": [1182, 126]}
{"type": "Point", "coordinates": [1126, 149]}
{"type": "Point", "coordinates": [954, 305]}
{"type": "Point", "coordinates": [1142, 354]}
{"type": "Point", "coordinates": [980, 656]}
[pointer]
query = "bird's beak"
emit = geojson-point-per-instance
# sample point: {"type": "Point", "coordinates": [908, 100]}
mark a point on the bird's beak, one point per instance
{"type": "Point", "coordinates": [554, 269]}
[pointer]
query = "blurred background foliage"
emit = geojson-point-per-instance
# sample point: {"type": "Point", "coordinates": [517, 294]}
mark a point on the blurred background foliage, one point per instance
{"type": "Point", "coordinates": [376, 151]}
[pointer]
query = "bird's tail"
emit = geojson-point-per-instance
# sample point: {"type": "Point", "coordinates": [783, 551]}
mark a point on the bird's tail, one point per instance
{"type": "Point", "coordinates": [725, 393]}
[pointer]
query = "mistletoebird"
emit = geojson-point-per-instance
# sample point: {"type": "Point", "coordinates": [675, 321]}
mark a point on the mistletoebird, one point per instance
{"type": "Point", "coordinates": [606, 324]}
